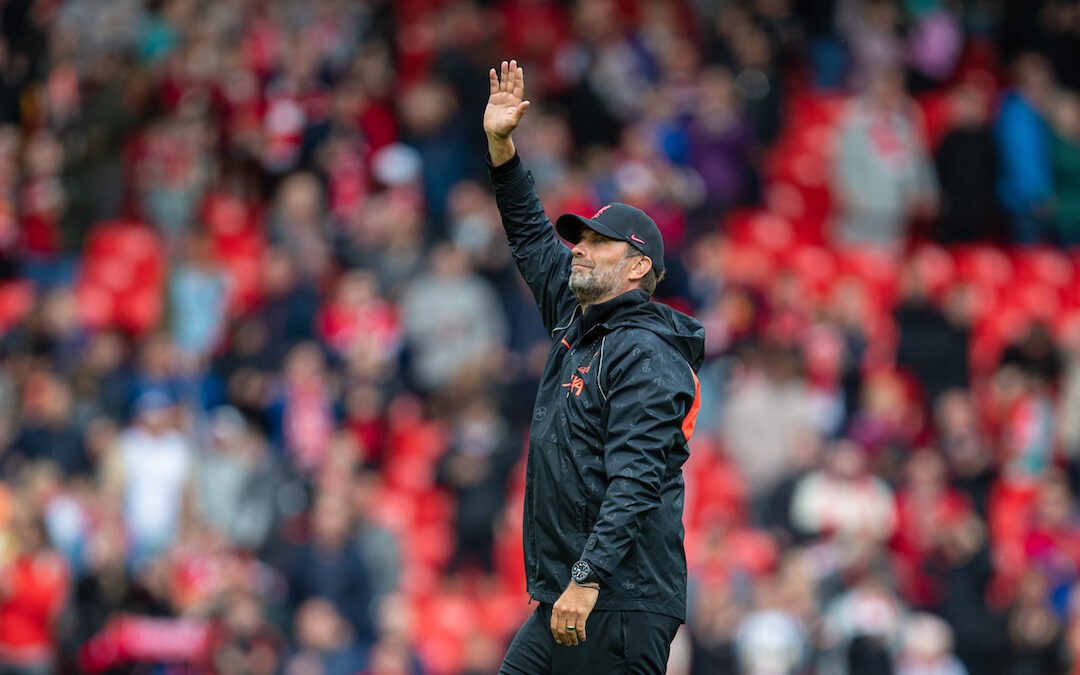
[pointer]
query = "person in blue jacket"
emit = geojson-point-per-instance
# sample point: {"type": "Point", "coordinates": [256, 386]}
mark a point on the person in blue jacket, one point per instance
{"type": "Point", "coordinates": [1026, 181]}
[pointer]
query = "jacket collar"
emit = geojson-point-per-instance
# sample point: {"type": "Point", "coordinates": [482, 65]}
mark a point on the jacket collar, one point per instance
{"type": "Point", "coordinates": [600, 313]}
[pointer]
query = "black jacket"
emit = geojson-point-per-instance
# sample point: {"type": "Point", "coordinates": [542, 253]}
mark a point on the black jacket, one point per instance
{"type": "Point", "coordinates": [615, 408]}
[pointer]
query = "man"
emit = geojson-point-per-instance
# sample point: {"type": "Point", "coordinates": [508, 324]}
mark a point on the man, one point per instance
{"type": "Point", "coordinates": [616, 407]}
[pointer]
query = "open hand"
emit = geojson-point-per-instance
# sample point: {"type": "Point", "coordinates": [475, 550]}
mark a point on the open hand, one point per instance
{"type": "Point", "coordinates": [505, 104]}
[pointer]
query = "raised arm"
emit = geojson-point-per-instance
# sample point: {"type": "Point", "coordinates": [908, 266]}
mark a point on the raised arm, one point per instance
{"type": "Point", "coordinates": [505, 107]}
{"type": "Point", "coordinates": [541, 258]}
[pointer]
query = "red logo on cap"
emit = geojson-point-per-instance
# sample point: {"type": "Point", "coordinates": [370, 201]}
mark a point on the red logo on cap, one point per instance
{"type": "Point", "coordinates": [635, 238]}
{"type": "Point", "coordinates": [597, 214]}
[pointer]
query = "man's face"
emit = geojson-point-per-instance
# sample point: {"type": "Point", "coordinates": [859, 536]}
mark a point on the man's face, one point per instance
{"type": "Point", "coordinates": [599, 270]}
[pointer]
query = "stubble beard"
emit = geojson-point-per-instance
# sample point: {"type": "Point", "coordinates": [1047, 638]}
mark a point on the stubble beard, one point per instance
{"type": "Point", "coordinates": [590, 285]}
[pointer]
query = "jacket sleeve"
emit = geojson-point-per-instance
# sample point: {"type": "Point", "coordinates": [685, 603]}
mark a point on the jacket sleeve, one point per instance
{"type": "Point", "coordinates": [652, 392]}
{"type": "Point", "coordinates": [541, 258]}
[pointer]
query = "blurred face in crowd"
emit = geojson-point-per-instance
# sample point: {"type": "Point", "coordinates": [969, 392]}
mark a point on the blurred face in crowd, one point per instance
{"type": "Point", "coordinates": [319, 626]}
{"type": "Point", "coordinates": [426, 106]}
{"type": "Point", "coordinates": [968, 106]}
{"type": "Point", "coordinates": [48, 400]}
{"type": "Point", "coordinates": [926, 471]}
{"type": "Point", "coordinates": [60, 312]}
{"type": "Point", "coordinates": [304, 365]}
{"type": "Point", "coordinates": [955, 412]}
{"type": "Point", "coordinates": [357, 288]}
{"type": "Point", "coordinates": [1055, 505]}
{"type": "Point", "coordinates": [718, 96]}
{"type": "Point", "coordinates": [1066, 116]}
{"type": "Point", "coordinates": [158, 357]}
{"type": "Point", "coordinates": [845, 460]}
{"type": "Point", "coordinates": [300, 199]}
{"type": "Point", "coordinates": [331, 520]}
{"type": "Point", "coordinates": [449, 262]}
{"type": "Point", "coordinates": [1034, 79]}
{"type": "Point", "coordinates": [278, 272]}
{"type": "Point", "coordinates": [28, 529]}
{"type": "Point", "coordinates": [603, 268]}
{"type": "Point", "coordinates": [887, 89]}
{"type": "Point", "coordinates": [244, 614]}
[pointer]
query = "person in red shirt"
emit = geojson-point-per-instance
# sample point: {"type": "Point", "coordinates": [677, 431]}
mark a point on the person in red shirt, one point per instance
{"type": "Point", "coordinates": [34, 585]}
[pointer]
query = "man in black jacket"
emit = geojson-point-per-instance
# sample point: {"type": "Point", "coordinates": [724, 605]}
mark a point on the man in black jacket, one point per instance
{"type": "Point", "coordinates": [603, 534]}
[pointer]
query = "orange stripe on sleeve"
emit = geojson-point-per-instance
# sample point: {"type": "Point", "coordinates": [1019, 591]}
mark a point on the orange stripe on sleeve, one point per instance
{"type": "Point", "coordinates": [691, 416]}
{"type": "Point", "coordinates": [566, 343]}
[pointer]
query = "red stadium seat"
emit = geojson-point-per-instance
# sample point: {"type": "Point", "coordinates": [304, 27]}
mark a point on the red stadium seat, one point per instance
{"type": "Point", "coordinates": [1044, 265]}
{"type": "Point", "coordinates": [16, 301]}
{"type": "Point", "coordinates": [122, 283]}
{"type": "Point", "coordinates": [984, 264]}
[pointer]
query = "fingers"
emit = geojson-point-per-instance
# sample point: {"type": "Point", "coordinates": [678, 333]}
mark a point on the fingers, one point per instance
{"type": "Point", "coordinates": [510, 79]}
{"type": "Point", "coordinates": [557, 625]}
{"type": "Point", "coordinates": [519, 82]}
{"type": "Point", "coordinates": [519, 111]}
{"type": "Point", "coordinates": [568, 626]}
{"type": "Point", "coordinates": [559, 620]}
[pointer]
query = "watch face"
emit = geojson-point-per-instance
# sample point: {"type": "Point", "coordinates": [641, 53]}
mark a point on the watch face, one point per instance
{"type": "Point", "coordinates": [580, 571]}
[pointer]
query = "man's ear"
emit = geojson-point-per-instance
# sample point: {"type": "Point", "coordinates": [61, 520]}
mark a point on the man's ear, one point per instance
{"type": "Point", "coordinates": [639, 267]}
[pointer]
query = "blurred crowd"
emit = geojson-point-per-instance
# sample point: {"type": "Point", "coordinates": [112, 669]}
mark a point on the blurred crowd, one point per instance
{"type": "Point", "coordinates": [266, 367]}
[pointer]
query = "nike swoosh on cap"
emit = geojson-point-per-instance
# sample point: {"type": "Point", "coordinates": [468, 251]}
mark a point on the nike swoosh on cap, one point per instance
{"type": "Point", "coordinates": [635, 238]}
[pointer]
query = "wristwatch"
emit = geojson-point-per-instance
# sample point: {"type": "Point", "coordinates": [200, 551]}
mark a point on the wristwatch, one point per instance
{"type": "Point", "coordinates": [583, 574]}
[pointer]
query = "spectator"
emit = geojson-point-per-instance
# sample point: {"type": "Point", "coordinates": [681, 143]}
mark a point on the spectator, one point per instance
{"type": "Point", "coordinates": [237, 480]}
{"type": "Point", "coordinates": [713, 622]}
{"type": "Point", "coordinates": [771, 641]}
{"type": "Point", "coordinates": [172, 171]}
{"type": "Point", "coordinates": [965, 446]}
{"type": "Point", "coordinates": [47, 433]}
{"type": "Point", "coordinates": [298, 224]}
{"type": "Point", "coordinates": [844, 500]}
{"type": "Point", "coordinates": [359, 324]}
{"type": "Point", "coordinates": [860, 626]}
{"type": "Point", "coordinates": [377, 546]}
{"type": "Point", "coordinates": [769, 409]}
{"type": "Point", "coordinates": [1025, 184]}
{"type": "Point", "coordinates": [720, 142]}
{"type": "Point", "coordinates": [198, 293]}
{"type": "Point", "coordinates": [393, 652]}
{"type": "Point", "coordinates": [290, 303]}
{"type": "Point", "coordinates": [967, 166]}
{"type": "Point", "coordinates": [924, 504]}
{"type": "Point", "coordinates": [883, 174]}
{"type": "Point", "coordinates": [452, 323]}
{"type": "Point", "coordinates": [1034, 632]}
{"type": "Point", "coordinates": [927, 648]}
{"type": "Point", "coordinates": [326, 570]}
{"type": "Point", "coordinates": [872, 29]}
{"type": "Point", "coordinates": [933, 345]}
{"type": "Point", "coordinates": [244, 640]}
{"type": "Point", "coordinates": [1068, 420]}
{"type": "Point", "coordinates": [1066, 121]}
{"type": "Point", "coordinates": [152, 473]}
{"type": "Point", "coordinates": [303, 409]}
{"type": "Point", "coordinates": [34, 586]}
{"type": "Point", "coordinates": [475, 469]}
{"type": "Point", "coordinates": [325, 642]}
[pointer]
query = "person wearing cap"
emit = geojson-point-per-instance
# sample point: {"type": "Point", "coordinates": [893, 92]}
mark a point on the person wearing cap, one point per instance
{"type": "Point", "coordinates": [614, 413]}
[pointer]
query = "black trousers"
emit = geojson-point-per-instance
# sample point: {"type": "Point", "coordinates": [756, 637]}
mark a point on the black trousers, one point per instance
{"type": "Point", "coordinates": [617, 643]}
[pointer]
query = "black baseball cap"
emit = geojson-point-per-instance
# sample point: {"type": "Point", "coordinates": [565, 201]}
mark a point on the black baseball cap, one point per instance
{"type": "Point", "coordinates": [618, 221]}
